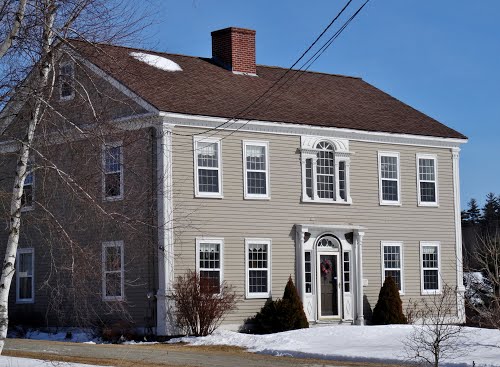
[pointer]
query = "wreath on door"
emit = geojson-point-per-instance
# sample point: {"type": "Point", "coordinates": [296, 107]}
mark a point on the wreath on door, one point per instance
{"type": "Point", "coordinates": [326, 267]}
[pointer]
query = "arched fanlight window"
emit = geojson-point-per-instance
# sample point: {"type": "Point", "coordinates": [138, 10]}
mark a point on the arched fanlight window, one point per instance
{"type": "Point", "coordinates": [326, 173]}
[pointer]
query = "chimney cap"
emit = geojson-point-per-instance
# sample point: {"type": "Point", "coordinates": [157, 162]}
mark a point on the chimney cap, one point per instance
{"type": "Point", "coordinates": [235, 30]}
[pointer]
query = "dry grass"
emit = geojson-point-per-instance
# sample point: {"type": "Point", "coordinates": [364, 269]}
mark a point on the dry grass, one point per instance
{"type": "Point", "coordinates": [85, 360]}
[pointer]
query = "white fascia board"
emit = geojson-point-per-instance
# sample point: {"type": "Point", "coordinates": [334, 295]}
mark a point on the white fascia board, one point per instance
{"type": "Point", "coordinates": [285, 128]}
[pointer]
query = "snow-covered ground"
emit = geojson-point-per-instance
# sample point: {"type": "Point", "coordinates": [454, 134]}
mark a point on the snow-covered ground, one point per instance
{"type": "Point", "coordinates": [352, 343]}
{"type": "Point", "coordinates": [28, 362]}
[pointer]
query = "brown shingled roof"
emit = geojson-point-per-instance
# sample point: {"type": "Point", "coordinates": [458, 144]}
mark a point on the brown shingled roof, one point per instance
{"type": "Point", "coordinates": [203, 88]}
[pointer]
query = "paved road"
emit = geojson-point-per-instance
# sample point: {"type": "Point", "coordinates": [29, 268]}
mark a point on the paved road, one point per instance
{"type": "Point", "coordinates": [161, 355]}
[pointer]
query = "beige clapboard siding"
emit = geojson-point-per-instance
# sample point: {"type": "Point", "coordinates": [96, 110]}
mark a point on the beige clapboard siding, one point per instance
{"type": "Point", "coordinates": [234, 218]}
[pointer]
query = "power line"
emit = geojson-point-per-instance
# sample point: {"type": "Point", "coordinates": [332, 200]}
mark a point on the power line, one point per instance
{"type": "Point", "coordinates": [235, 118]}
{"type": "Point", "coordinates": [315, 57]}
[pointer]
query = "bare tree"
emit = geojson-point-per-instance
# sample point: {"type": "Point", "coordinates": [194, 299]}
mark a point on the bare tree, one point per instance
{"type": "Point", "coordinates": [32, 45]}
{"type": "Point", "coordinates": [483, 280]}
{"type": "Point", "coordinates": [436, 337]}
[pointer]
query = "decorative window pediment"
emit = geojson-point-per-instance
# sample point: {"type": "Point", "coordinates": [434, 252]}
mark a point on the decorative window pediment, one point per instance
{"type": "Point", "coordinates": [325, 170]}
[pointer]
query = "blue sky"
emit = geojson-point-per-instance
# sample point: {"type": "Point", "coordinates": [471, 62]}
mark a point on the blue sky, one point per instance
{"type": "Point", "coordinates": [441, 57]}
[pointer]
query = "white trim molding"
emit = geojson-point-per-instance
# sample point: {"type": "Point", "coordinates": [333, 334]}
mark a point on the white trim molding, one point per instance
{"type": "Point", "coordinates": [399, 244]}
{"type": "Point", "coordinates": [437, 245]}
{"type": "Point", "coordinates": [286, 128]}
{"type": "Point", "coordinates": [432, 157]}
{"type": "Point", "coordinates": [211, 241]}
{"type": "Point", "coordinates": [105, 246]}
{"type": "Point", "coordinates": [165, 319]}
{"type": "Point", "coordinates": [19, 274]}
{"type": "Point", "coordinates": [397, 180]}
{"type": "Point", "coordinates": [455, 153]}
{"type": "Point", "coordinates": [246, 170]}
{"type": "Point", "coordinates": [198, 139]}
{"type": "Point", "coordinates": [268, 243]}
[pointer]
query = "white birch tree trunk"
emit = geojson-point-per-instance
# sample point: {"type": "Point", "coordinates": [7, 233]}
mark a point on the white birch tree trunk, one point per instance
{"type": "Point", "coordinates": [39, 86]}
{"type": "Point", "coordinates": [9, 38]}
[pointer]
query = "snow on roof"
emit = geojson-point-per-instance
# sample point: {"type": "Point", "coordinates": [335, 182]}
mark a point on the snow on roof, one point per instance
{"type": "Point", "coordinates": [156, 61]}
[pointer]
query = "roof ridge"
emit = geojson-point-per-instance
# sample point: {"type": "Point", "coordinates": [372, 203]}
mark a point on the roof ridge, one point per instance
{"type": "Point", "coordinates": [202, 57]}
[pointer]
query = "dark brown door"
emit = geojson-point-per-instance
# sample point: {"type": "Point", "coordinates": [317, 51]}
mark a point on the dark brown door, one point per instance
{"type": "Point", "coordinates": [329, 285]}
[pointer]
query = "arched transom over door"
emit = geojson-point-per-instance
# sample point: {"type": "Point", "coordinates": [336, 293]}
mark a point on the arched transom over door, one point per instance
{"type": "Point", "coordinates": [329, 276]}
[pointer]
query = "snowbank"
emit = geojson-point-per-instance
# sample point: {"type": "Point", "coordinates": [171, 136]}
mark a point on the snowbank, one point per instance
{"type": "Point", "coordinates": [28, 362]}
{"type": "Point", "coordinates": [77, 336]}
{"type": "Point", "coordinates": [352, 343]}
{"type": "Point", "coordinates": [156, 61]}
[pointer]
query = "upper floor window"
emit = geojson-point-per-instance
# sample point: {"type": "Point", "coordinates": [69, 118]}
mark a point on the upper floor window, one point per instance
{"type": "Point", "coordinates": [66, 80]}
{"type": "Point", "coordinates": [430, 267]}
{"type": "Point", "coordinates": [389, 179]}
{"type": "Point", "coordinates": [209, 260]}
{"type": "Point", "coordinates": [208, 168]}
{"type": "Point", "coordinates": [392, 262]}
{"type": "Point", "coordinates": [256, 167]}
{"type": "Point", "coordinates": [27, 198]}
{"type": "Point", "coordinates": [113, 171]}
{"type": "Point", "coordinates": [427, 180]}
{"type": "Point", "coordinates": [112, 271]}
{"type": "Point", "coordinates": [325, 170]}
{"type": "Point", "coordinates": [25, 281]}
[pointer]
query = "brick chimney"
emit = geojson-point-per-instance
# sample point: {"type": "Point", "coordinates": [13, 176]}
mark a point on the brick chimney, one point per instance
{"type": "Point", "coordinates": [234, 49]}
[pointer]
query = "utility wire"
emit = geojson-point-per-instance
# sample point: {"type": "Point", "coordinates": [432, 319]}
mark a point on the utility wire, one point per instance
{"type": "Point", "coordinates": [311, 60]}
{"type": "Point", "coordinates": [235, 118]}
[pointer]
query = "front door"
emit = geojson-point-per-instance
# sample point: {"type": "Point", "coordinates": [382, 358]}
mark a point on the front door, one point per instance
{"type": "Point", "coordinates": [329, 285]}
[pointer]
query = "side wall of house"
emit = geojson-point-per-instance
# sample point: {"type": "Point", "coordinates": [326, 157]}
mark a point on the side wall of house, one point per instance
{"type": "Point", "coordinates": [233, 218]}
{"type": "Point", "coordinates": [72, 219]}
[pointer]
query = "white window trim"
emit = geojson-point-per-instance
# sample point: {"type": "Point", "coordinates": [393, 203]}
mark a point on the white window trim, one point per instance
{"type": "Point", "coordinates": [247, 196]}
{"type": "Point", "coordinates": [220, 242]}
{"type": "Point", "coordinates": [310, 152]}
{"type": "Point", "coordinates": [401, 262]}
{"type": "Point", "coordinates": [433, 157]}
{"type": "Point", "coordinates": [105, 245]}
{"type": "Point", "coordinates": [72, 76]}
{"type": "Point", "coordinates": [197, 193]}
{"type": "Point", "coordinates": [398, 180]}
{"type": "Point", "coordinates": [430, 244]}
{"type": "Point", "coordinates": [112, 145]}
{"type": "Point", "coordinates": [250, 241]}
{"type": "Point", "coordinates": [31, 207]}
{"type": "Point", "coordinates": [29, 250]}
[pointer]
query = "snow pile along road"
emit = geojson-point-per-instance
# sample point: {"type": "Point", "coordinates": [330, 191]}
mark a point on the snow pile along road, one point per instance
{"type": "Point", "coordinates": [353, 343]}
{"type": "Point", "coordinates": [28, 362]}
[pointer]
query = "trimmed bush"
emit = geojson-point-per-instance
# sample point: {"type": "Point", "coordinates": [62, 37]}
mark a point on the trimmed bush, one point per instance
{"type": "Point", "coordinates": [281, 315]}
{"type": "Point", "coordinates": [389, 308]}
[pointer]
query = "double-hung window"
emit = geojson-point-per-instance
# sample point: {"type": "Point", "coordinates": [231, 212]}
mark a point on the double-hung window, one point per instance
{"type": "Point", "coordinates": [208, 168]}
{"type": "Point", "coordinates": [112, 271]}
{"type": "Point", "coordinates": [256, 167]}
{"type": "Point", "coordinates": [25, 280]}
{"type": "Point", "coordinates": [28, 196]}
{"type": "Point", "coordinates": [392, 263]}
{"type": "Point", "coordinates": [325, 171]}
{"type": "Point", "coordinates": [258, 268]}
{"type": "Point", "coordinates": [66, 80]}
{"type": "Point", "coordinates": [427, 180]}
{"type": "Point", "coordinates": [430, 266]}
{"type": "Point", "coordinates": [389, 178]}
{"type": "Point", "coordinates": [113, 171]}
{"type": "Point", "coordinates": [209, 263]}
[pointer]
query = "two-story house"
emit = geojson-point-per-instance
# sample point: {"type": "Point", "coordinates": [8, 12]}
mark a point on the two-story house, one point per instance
{"type": "Point", "coordinates": [250, 180]}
